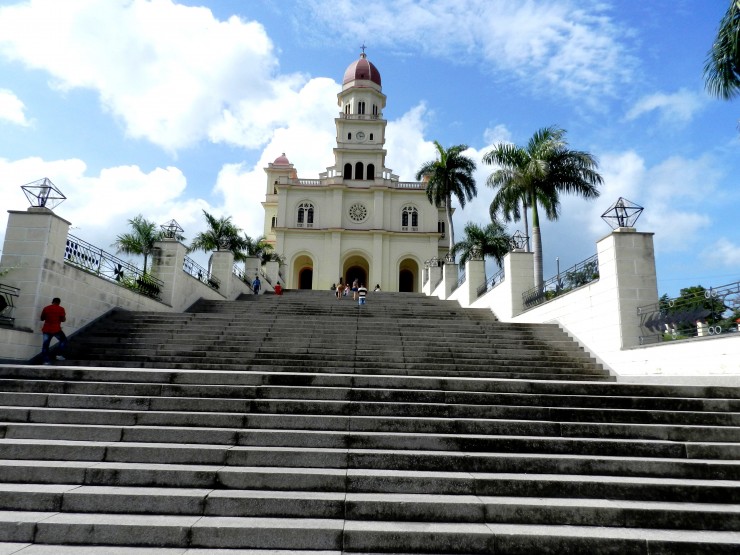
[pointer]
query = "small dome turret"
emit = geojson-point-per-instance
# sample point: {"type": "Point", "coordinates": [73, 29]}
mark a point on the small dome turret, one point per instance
{"type": "Point", "coordinates": [281, 160]}
{"type": "Point", "coordinates": [362, 69]}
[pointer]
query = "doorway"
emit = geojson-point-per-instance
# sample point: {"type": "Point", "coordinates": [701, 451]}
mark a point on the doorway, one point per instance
{"type": "Point", "coordinates": [305, 278]}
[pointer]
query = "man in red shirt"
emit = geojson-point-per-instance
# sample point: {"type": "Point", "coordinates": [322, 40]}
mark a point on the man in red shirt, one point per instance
{"type": "Point", "coordinates": [53, 316]}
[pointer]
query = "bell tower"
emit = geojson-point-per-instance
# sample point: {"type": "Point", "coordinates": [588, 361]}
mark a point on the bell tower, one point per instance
{"type": "Point", "coordinates": [359, 154]}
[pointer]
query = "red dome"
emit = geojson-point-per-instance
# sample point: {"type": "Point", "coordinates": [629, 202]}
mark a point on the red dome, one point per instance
{"type": "Point", "coordinates": [362, 69]}
{"type": "Point", "coordinates": [281, 160]}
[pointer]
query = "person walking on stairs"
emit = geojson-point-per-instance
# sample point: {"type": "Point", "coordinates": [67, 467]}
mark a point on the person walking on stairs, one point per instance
{"type": "Point", "coordinates": [53, 315]}
{"type": "Point", "coordinates": [256, 284]}
{"type": "Point", "coordinates": [362, 293]}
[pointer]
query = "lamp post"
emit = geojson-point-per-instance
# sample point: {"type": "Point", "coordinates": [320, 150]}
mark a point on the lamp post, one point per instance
{"type": "Point", "coordinates": [557, 262]}
{"type": "Point", "coordinates": [42, 193]}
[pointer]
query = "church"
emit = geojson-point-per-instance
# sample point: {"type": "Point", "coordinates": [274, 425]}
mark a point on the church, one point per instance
{"type": "Point", "coordinates": [357, 220]}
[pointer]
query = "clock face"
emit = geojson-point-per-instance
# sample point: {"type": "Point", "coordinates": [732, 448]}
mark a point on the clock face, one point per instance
{"type": "Point", "coordinates": [360, 136]}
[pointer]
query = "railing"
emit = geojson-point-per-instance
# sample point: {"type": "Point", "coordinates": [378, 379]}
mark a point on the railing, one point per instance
{"type": "Point", "coordinates": [698, 312]}
{"type": "Point", "coordinates": [342, 115]}
{"type": "Point", "coordinates": [460, 279]}
{"type": "Point", "coordinates": [492, 282]}
{"type": "Point", "coordinates": [90, 258]}
{"type": "Point", "coordinates": [7, 293]}
{"type": "Point", "coordinates": [576, 276]}
{"type": "Point", "coordinates": [409, 185]}
{"type": "Point", "coordinates": [264, 276]}
{"type": "Point", "coordinates": [194, 269]}
{"type": "Point", "coordinates": [241, 274]}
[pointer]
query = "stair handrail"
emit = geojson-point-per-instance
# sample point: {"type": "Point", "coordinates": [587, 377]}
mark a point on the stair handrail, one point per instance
{"type": "Point", "coordinates": [192, 268]}
{"type": "Point", "coordinates": [578, 275]}
{"type": "Point", "coordinates": [7, 293]}
{"type": "Point", "coordinates": [701, 313]}
{"type": "Point", "coordinates": [493, 281]}
{"type": "Point", "coordinates": [89, 258]}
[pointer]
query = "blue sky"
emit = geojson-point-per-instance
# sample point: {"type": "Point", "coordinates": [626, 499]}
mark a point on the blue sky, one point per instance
{"type": "Point", "coordinates": [168, 108]}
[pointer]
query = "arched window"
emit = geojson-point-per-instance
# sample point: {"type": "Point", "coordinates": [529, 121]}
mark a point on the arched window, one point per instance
{"type": "Point", "coordinates": [441, 228]}
{"type": "Point", "coordinates": [371, 136]}
{"type": "Point", "coordinates": [349, 136]}
{"type": "Point", "coordinates": [347, 109]}
{"type": "Point", "coordinates": [375, 109]}
{"type": "Point", "coordinates": [409, 218]}
{"type": "Point", "coordinates": [348, 171]}
{"type": "Point", "coordinates": [361, 107]}
{"type": "Point", "coordinates": [274, 222]}
{"type": "Point", "coordinates": [371, 171]}
{"type": "Point", "coordinates": [305, 215]}
{"type": "Point", "coordinates": [359, 170]}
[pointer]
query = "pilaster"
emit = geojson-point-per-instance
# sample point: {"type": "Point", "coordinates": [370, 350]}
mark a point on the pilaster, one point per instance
{"type": "Point", "coordinates": [222, 267]}
{"type": "Point", "coordinates": [35, 242]}
{"type": "Point", "coordinates": [475, 276]}
{"type": "Point", "coordinates": [167, 263]}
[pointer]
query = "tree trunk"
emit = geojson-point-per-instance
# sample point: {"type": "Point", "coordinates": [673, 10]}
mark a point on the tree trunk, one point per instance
{"type": "Point", "coordinates": [451, 231]}
{"type": "Point", "coordinates": [526, 226]}
{"type": "Point", "coordinates": [537, 248]}
{"type": "Point", "coordinates": [536, 245]}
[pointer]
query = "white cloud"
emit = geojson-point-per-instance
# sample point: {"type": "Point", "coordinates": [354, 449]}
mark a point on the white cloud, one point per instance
{"type": "Point", "coordinates": [12, 108]}
{"type": "Point", "coordinates": [669, 193]}
{"type": "Point", "coordinates": [98, 206]}
{"type": "Point", "coordinates": [722, 253]}
{"type": "Point", "coordinates": [498, 134]}
{"type": "Point", "coordinates": [677, 108]}
{"type": "Point", "coordinates": [561, 48]}
{"type": "Point", "coordinates": [407, 148]}
{"type": "Point", "coordinates": [168, 71]}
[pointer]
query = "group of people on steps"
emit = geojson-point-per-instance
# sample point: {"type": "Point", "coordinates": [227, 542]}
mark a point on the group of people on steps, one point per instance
{"type": "Point", "coordinates": [358, 290]}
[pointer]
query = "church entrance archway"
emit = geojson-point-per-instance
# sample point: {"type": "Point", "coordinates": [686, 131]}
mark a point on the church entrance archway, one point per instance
{"type": "Point", "coordinates": [408, 273]}
{"type": "Point", "coordinates": [356, 268]}
{"type": "Point", "coordinates": [303, 272]}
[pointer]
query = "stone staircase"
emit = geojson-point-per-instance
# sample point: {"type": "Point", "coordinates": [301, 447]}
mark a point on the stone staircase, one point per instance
{"type": "Point", "coordinates": [300, 424]}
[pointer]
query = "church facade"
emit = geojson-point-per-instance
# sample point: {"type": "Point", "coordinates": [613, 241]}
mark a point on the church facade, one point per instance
{"type": "Point", "coordinates": [357, 220]}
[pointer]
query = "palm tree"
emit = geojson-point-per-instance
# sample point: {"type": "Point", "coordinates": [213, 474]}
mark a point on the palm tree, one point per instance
{"type": "Point", "coordinates": [722, 67]}
{"type": "Point", "coordinates": [451, 174]}
{"type": "Point", "coordinates": [492, 241]}
{"type": "Point", "coordinates": [221, 234]}
{"type": "Point", "coordinates": [539, 172]}
{"type": "Point", "coordinates": [141, 239]}
{"type": "Point", "coordinates": [257, 246]}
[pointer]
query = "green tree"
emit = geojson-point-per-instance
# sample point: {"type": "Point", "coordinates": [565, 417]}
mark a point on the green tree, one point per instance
{"type": "Point", "coordinates": [490, 241]}
{"type": "Point", "coordinates": [722, 66]}
{"type": "Point", "coordinates": [540, 172]}
{"type": "Point", "coordinates": [450, 174]}
{"type": "Point", "coordinates": [221, 234]}
{"type": "Point", "coordinates": [140, 240]}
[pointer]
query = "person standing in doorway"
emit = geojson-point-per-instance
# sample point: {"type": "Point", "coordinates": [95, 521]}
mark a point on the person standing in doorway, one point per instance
{"type": "Point", "coordinates": [362, 293]}
{"type": "Point", "coordinates": [53, 315]}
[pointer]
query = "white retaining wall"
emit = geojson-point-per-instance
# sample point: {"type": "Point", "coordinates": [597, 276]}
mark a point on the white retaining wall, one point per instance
{"type": "Point", "coordinates": [602, 316]}
{"type": "Point", "coordinates": [34, 249]}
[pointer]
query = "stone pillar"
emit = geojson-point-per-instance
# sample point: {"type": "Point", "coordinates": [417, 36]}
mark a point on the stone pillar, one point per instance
{"type": "Point", "coordinates": [627, 270]}
{"type": "Point", "coordinates": [435, 277]}
{"type": "Point", "coordinates": [449, 279]}
{"type": "Point", "coordinates": [167, 263]}
{"type": "Point", "coordinates": [252, 268]}
{"type": "Point", "coordinates": [35, 242]}
{"type": "Point", "coordinates": [518, 278]}
{"type": "Point", "coordinates": [272, 269]}
{"type": "Point", "coordinates": [222, 268]}
{"type": "Point", "coordinates": [475, 276]}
